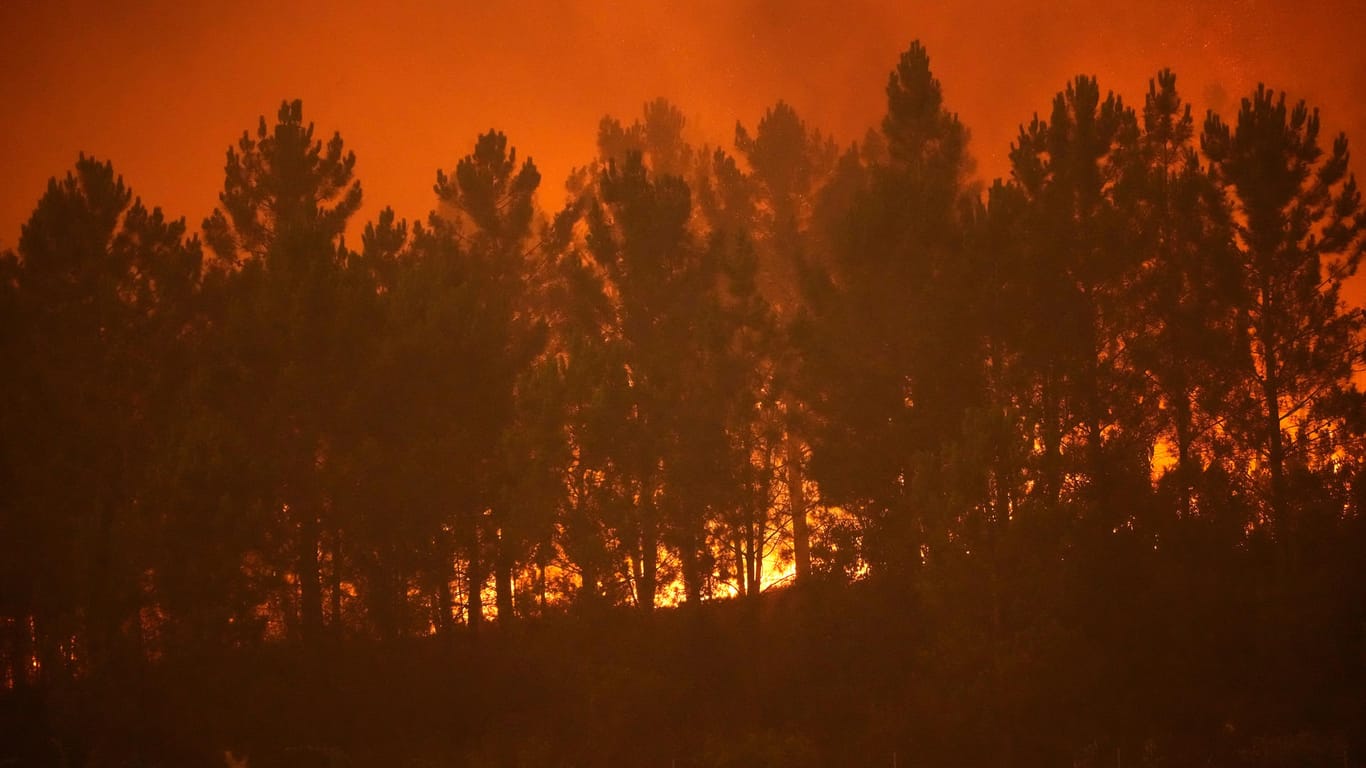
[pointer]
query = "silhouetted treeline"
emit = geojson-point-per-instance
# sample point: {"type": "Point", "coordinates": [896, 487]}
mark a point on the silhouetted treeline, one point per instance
{"type": "Point", "coordinates": [1063, 469]}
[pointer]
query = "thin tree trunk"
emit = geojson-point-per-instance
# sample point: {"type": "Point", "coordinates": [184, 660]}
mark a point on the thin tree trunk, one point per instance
{"type": "Point", "coordinates": [692, 576]}
{"type": "Point", "coordinates": [541, 587]}
{"type": "Point", "coordinates": [503, 582]}
{"type": "Point", "coordinates": [1184, 469]}
{"type": "Point", "coordinates": [310, 585]}
{"type": "Point", "coordinates": [796, 495]}
{"type": "Point", "coordinates": [384, 598]}
{"type": "Point", "coordinates": [649, 562]}
{"type": "Point", "coordinates": [1095, 456]}
{"type": "Point", "coordinates": [1275, 458]}
{"type": "Point", "coordinates": [737, 548]}
{"type": "Point", "coordinates": [474, 572]}
{"type": "Point", "coordinates": [445, 603]}
{"type": "Point", "coordinates": [589, 590]}
{"type": "Point", "coordinates": [103, 622]}
{"type": "Point", "coordinates": [1052, 441]}
{"type": "Point", "coordinates": [335, 578]}
{"type": "Point", "coordinates": [756, 558]}
{"type": "Point", "coordinates": [1271, 392]}
{"type": "Point", "coordinates": [637, 572]}
{"type": "Point", "coordinates": [503, 566]}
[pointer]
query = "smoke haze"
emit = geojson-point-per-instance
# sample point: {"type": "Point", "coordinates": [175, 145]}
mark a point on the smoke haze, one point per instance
{"type": "Point", "coordinates": [163, 88]}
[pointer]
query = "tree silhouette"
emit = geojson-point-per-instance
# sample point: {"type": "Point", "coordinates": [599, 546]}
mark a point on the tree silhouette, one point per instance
{"type": "Point", "coordinates": [98, 295]}
{"type": "Point", "coordinates": [492, 202]}
{"type": "Point", "coordinates": [648, 256]}
{"type": "Point", "coordinates": [1187, 288]}
{"type": "Point", "coordinates": [1075, 265]}
{"type": "Point", "coordinates": [1068, 469]}
{"type": "Point", "coordinates": [894, 348]}
{"type": "Point", "coordinates": [285, 203]}
{"type": "Point", "coordinates": [1299, 235]}
{"type": "Point", "coordinates": [788, 164]}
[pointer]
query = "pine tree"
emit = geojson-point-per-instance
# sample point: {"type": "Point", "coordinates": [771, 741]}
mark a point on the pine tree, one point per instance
{"type": "Point", "coordinates": [285, 203]}
{"type": "Point", "coordinates": [892, 343]}
{"type": "Point", "coordinates": [1299, 232]}
{"type": "Point", "coordinates": [1184, 334]}
{"type": "Point", "coordinates": [489, 203]}
{"type": "Point", "coordinates": [788, 163]}
{"type": "Point", "coordinates": [1075, 259]}
{"type": "Point", "coordinates": [98, 298]}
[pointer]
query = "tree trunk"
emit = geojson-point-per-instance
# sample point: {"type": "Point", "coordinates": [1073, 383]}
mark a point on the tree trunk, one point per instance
{"type": "Point", "coordinates": [1052, 442]}
{"type": "Point", "coordinates": [649, 575]}
{"type": "Point", "coordinates": [737, 547]}
{"type": "Point", "coordinates": [16, 650]}
{"type": "Point", "coordinates": [589, 590]}
{"type": "Point", "coordinates": [796, 495]}
{"type": "Point", "coordinates": [756, 558]}
{"type": "Point", "coordinates": [649, 561]}
{"type": "Point", "coordinates": [1185, 472]}
{"type": "Point", "coordinates": [692, 577]}
{"type": "Point", "coordinates": [503, 567]}
{"type": "Point", "coordinates": [334, 580]}
{"type": "Point", "coordinates": [474, 572]}
{"type": "Point", "coordinates": [1095, 444]}
{"type": "Point", "coordinates": [310, 585]}
{"type": "Point", "coordinates": [102, 616]}
{"type": "Point", "coordinates": [383, 597]}
{"type": "Point", "coordinates": [445, 602]}
{"type": "Point", "coordinates": [1275, 456]}
{"type": "Point", "coordinates": [1271, 393]}
{"type": "Point", "coordinates": [541, 588]}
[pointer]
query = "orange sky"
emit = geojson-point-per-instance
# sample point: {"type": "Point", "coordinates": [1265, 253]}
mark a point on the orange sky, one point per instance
{"type": "Point", "coordinates": [161, 88]}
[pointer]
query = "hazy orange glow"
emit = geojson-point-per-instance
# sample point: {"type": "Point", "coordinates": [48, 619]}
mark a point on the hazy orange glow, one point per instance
{"type": "Point", "coordinates": [162, 88]}
{"type": "Point", "coordinates": [1164, 458]}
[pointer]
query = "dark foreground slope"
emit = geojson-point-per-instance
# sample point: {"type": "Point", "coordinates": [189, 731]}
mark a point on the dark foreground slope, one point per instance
{"type": "Point", "coordinates": [868, 675]}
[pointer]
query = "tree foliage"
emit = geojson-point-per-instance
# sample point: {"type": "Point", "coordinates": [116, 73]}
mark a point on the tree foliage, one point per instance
{"type": "Point", "coordinates": [1023, 474]}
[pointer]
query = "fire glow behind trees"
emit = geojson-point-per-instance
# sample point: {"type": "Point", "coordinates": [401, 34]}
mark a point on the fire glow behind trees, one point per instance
{"type": "Point", "coordinates": [786, 441]}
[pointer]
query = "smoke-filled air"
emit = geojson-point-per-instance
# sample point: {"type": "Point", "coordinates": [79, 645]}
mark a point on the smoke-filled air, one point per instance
{"type": "Point", "coordinates": [686, 385]}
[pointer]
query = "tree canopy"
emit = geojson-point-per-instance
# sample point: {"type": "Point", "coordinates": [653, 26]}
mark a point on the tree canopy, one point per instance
{"type": "Point", "coordinates": [1026, 473]}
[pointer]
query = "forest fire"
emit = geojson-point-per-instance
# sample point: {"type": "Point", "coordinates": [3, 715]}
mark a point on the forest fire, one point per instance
{"type": "Point", "coordinates": [788, 443]}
